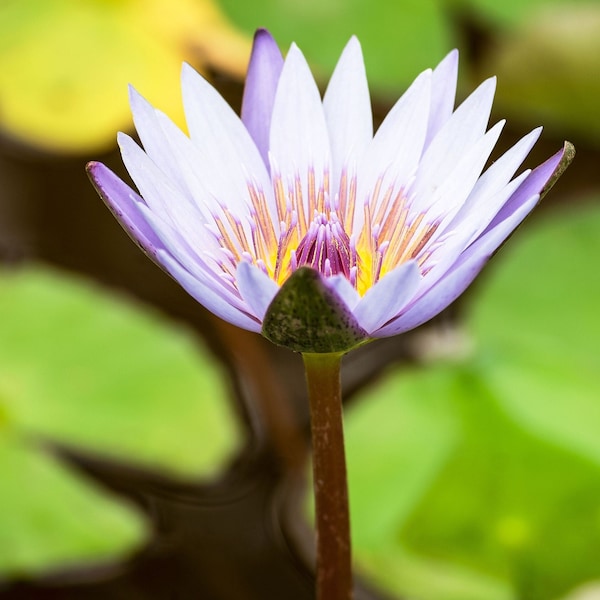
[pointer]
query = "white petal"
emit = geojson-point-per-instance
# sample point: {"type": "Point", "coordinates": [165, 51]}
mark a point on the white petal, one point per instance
{"type": "Point", "coordinates": [443, 94]}
{"type": "Point", "coordinates": [481, 215]}
{"type": "Point", "coordinates": [256, 287]}
{"type": "Point", "coordinates": [447, 199]}
{"type": "Point", "coordinates": [344, 289]}
{"type": "Point", "coordinates": [196, 259]}
{"type": "Point", "coordinates": [156, 144]}
{"type": "Point", "coordinates": [228, 151]}
{"type": "Point", "coordinates": [161, 194]}
{"type": "Point", "coordinates": [466, 125]}
{"type": "Point", "coordinates": [395, 151]}
{"type": "Point", "coordinates": [299, 138]}
{"type": "Point", "coordinates": [387, 297]}
{"type": "Point", "coordinates": [483, 202]}
{"type": "Point", "coordinates": [347, 107]}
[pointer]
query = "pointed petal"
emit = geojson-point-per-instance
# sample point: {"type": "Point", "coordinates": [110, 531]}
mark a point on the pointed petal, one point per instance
{"type": "Point", "coordinates": [443, 94]}
{"type": "Point", "coordinates": [344, 289]}
{"type": "Point", "coordinates": [228, 151]}
{"type": "Point", "coordinates": [387, 297]}
{"type": "Point", "coordinates": [162, 195]}
{"type": "Point", "coordinates": [395, 150]}
{"type": "Point", "coordinates": [466, 125]}
{"type": "Point", "coordinates": [539, 182]}
{"type": "Point", "coordinates": [347, 107]}
{"type": "Point", "coordinates": [437, 297]}
{"type": "Point", "coordinates": [299, 140]}
{"type": "Point", "coordinates": [492, 189]}
{"type": "Point", "coordinates": [447, 199]}
{"type": "Point", "coordinates": [256, 287]}
{"type": "Point", "coordinates": [205, 294]}
{"type": "Point", "coordinates": [156, 144]}
{"type": "Point", "coordinates": [123, 202]}
{"type": "Point", "coordinates": [262, 78]}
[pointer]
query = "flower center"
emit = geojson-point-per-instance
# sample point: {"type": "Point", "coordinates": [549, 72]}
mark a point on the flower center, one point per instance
{"type": "Point", "coordinates": [327, 248]}
{"type": "Point", "coordinates": [282, 237]}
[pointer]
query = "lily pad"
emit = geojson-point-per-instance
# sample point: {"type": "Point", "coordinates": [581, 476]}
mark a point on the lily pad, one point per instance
{"type": "Point", "coordinates": [81, 368]}
{"type": "Point", "coordinates": [85, 369]}
{"type": "Point", "coordinates": [51, 518]}
{"type": "Point", "coordinates": [479, 478]}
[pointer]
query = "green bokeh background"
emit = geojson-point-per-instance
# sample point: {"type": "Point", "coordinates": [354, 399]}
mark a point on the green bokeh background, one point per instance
{"type": "Point", "coordinates": [475, 476]}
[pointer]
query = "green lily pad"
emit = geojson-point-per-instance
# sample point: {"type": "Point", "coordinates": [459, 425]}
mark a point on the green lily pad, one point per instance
{"type": "Point", "coordinates": [51, 518]}
{"type": "Point", "coordinates": [82, 368]}
{"type": "Point", "coordinates": [482, 481]}
{"type": "Point", "coordinates": [88, 370]}
{"type": "Point", "coordinates": [398, 38]}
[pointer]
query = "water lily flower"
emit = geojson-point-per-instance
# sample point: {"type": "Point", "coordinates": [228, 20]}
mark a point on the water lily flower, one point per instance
{"type": "Point", "coordinates": [389, 228]}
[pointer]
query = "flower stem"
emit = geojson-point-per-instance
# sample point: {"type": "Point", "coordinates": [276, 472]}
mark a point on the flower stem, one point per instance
{"type": "Point", "coordinates": [334, 562]}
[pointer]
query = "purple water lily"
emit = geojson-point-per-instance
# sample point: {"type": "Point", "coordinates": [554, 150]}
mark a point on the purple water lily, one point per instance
{"type": "Point", "coordinates": [397, 223]}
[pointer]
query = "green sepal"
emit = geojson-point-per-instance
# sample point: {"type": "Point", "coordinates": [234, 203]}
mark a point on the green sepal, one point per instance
{"type": "Point", "coordinates": [306, 316]}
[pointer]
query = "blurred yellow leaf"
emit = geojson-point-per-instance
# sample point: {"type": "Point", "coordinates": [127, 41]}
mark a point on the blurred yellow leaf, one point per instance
{"type": "Point", "coordinates": [65, 65]}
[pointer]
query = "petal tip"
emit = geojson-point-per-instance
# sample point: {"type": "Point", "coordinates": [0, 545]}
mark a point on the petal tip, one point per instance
{"type": "Point", "coordinates": [563, 159]}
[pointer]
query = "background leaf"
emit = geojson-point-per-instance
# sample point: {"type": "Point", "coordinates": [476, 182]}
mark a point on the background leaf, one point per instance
{"type": "Point", "coordinates": [85, 369]}
{"type": "Point", "coordinates": [65, 64]}
{"type": "Point", "coordinates": [92, 372]}
{"type": "Point", "coordinates": [548, 69]}
{"type": "Point", "coordinates": [51, 518]}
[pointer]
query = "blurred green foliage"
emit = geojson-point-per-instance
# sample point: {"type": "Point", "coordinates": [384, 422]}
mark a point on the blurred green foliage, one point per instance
{"type": "Point", "coordinates": [51, 518]}
{"type": "Point", "coordinates": [483, 481]}
{"type": "Point", "coordinates": [93, 372]}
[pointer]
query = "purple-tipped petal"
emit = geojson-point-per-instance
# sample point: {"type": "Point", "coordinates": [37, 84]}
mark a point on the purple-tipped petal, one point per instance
{"type": "Point", "coordinates": [470, 263]}
{"type": "Point", "coordinates": [536, 183]}
{"type": "Point", "coordinates": [262, 78]}
{"type": "Point", "coordinates": [256, 287]}
{"type": "Point", "coordinates": [387, 297]}
{"type": "Point", "coordinates": [123, 202]}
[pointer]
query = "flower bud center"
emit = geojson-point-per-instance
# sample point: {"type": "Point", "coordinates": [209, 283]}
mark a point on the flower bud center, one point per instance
{"type": "Point", "coordinates": [326, 247]}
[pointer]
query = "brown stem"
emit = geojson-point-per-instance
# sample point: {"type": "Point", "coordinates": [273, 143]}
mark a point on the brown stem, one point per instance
{"type": "Point", "coordinates": [334, 561]}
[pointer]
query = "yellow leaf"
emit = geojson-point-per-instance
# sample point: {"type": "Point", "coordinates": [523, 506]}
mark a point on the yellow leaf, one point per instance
{"type": "Point", "coordinates": [65, 65]}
